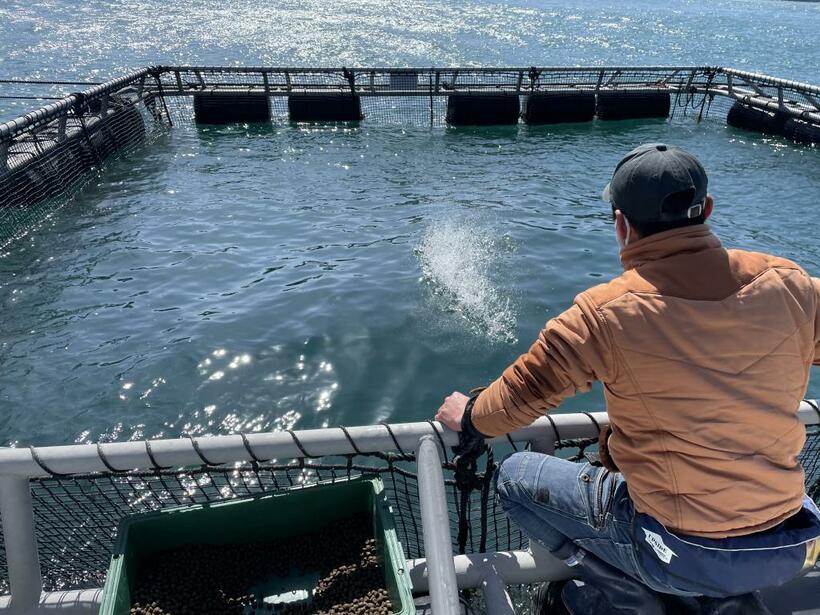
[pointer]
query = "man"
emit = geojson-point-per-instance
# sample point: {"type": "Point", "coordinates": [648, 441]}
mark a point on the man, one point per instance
{"type": "Point", "coordinates": [705, 355]}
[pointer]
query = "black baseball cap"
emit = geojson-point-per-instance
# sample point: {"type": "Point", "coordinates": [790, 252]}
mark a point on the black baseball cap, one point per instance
{"type": "Point", "coordinates": [658, 183]}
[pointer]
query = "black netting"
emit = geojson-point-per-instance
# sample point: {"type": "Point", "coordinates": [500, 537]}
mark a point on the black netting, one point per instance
{"type": "Point", "coordinates": [4, 583]}
{"type": "Point", "coordinates": [77, 516]}
{"type": "Point", "coordinates": [810, 459]}
{"type": "Point", "coordinates": [48, 156]}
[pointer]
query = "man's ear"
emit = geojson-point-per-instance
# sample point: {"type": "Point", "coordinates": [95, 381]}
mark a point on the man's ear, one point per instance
{"type": "Point", "coordinates": [708, 207]}
{"type": "Point", "coordinates": [620, 227]}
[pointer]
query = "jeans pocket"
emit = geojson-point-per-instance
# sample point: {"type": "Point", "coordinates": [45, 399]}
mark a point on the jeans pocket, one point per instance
{"type": "Point", "coordinates": [540, 490]}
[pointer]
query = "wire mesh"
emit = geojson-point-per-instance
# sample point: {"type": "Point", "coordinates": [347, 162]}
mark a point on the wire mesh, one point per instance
{"type": "Point", "coordinates": [77, 516]}
{"type": "Point", "coordinates": [48, 155]}
{"type": "Point", "coordinates": [45, 163]}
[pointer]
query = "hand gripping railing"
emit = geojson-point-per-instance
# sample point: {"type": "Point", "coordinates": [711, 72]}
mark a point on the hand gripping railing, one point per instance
{"type": "Point", "coordinates": [490, 572]}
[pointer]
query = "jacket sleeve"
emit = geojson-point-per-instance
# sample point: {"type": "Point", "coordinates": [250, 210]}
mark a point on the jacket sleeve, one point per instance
{"type": "Point", "coordinates": [817, 322]}
{"type": "Point", "coordinates": [571, 352]}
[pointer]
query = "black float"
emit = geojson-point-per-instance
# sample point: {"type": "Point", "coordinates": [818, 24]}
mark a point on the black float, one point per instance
{"type": "Point", "coordinates": [63, 160]}
{"type": "Point", "coordinates": [482, 109]}
{"type": "Point", "coordinates": [625, 105]}
{"type": "Point", "coordinates": [327, 108]}
{"type": "Point", "coordinates": [802, 132]}
{"type": "Point", "coordinates": [558, 107]}
{"type": "Point", "coordinates": [758, 120]}
{"type": "Point", "coordinates": [116, 129]}
{"type": "Point", "coordinates": [230, 109]}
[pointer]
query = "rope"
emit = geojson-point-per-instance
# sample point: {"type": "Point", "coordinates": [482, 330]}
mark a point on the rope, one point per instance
{"type": "Point", "coordinates": [300, 447]}
{"type": "Point", "coordinates": [199, 453]}
{"type": "Point", "coordinates": [594, 422]}
{"type": "Point", "coordinates": [351, 79]}
{"type": "Point", "coordinates": [248, 448]}
{"type": "Point", "coordinates": [154, 463]}
{"type": "Point", "coordinates": [350, 439]}
{"type": "Point", "coordinates": [554, 428]}
{"type": "Point", "coordinates": [463, 521]}
{"type": "Point", "coordinates": [36, 457]}
{"type": "Point", "coordinates": [712, 74]}
{"type": "Point", "coordinates": [79, 111]}
{"type": "Point", "coordinates": [156, 74]}
{"type": "Point", "coordinates": [393, 437]}
{"type": "Point", "coordinates": [440, 440]}
{"type": "Point", "coordinates": [814, 406]}
{"type": "Point", "coordinates": [489, 472]}
{"type": "Point", "coordinates": [104, 459]}
{"type": "Point", "coordinates": [533, 74]}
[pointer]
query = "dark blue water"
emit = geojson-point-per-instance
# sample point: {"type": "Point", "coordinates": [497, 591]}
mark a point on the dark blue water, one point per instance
{"type": "Point", "coordinates": [229, 279]}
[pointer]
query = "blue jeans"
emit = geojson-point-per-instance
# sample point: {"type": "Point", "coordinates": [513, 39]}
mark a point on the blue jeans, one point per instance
{"type": "Point", "coordinates": [555, 501]}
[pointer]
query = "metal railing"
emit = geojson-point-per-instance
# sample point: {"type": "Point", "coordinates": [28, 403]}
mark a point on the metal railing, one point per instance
{"type": "Point", "coordinates": [39, 151]}
{"type": "Point", "coordinates": [490, 572]}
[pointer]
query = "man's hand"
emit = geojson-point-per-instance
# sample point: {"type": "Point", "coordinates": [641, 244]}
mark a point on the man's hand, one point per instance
{"type": "Point", "coordinates": [452, 410]}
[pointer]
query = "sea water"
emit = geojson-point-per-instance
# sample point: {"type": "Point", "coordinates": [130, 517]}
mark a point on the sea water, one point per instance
{"type": "Point", "coordinates": [247, 278]}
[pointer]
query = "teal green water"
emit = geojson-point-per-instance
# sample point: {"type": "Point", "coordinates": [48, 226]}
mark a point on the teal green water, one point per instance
{"type": "Point", "coordinates": [229, 279]}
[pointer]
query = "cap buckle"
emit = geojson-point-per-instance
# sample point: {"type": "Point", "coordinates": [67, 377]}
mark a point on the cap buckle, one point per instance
{"type": "Point", "coordinates": [694, 211]}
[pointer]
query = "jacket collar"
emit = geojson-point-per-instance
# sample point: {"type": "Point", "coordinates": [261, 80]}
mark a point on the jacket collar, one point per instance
{"type": "Point", "coordinates": [686, 240]}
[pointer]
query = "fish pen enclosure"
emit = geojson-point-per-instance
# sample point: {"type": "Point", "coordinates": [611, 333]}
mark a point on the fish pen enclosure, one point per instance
{"type": "Point", "coordinates": [61, 506]}
{"type": "Point", "coordinates": [48, 155]}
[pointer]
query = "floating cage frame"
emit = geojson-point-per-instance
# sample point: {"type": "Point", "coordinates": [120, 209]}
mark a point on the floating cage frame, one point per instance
{"type": "Point", "coordinates": [48, 155]}
{"type": "Point", "coordinates": [60, 505]}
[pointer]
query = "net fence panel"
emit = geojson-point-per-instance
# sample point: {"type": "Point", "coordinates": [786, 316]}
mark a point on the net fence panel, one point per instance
{"type": "Point", "coordinates": [412, 96]}
{"type": "Point", "coordinates": [77, 517]}
{"type": "Point", "coordinates": [47, 157]}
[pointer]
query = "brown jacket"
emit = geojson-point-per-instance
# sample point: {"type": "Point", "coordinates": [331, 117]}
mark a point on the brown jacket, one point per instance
{"type": "Point", "coordinates": [705, 354]}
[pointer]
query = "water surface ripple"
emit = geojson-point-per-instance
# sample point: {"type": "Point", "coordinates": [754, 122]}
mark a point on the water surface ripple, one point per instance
{"type": "Point", "coordinates": [249, 278]}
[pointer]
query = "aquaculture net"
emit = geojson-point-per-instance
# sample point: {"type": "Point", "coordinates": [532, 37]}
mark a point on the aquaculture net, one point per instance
{"type": "Point", "coordinates": [49, 155]}
{"type": "Point", "coordinates": [418, 97]}
{"type": "Point", "coordinates": [77, 516]}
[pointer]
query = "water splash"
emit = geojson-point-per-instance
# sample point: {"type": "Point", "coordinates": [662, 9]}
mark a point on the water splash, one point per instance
{"type": "Point", "coordinates": [461, 262]}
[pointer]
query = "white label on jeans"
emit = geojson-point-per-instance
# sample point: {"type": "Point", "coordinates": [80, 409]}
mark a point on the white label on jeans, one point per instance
{"type": "Point", "coordinates": [664, 553]}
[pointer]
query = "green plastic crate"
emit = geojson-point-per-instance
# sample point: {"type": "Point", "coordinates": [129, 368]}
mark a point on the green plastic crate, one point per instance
{"type": "Point", "coordinates": [263, 518]}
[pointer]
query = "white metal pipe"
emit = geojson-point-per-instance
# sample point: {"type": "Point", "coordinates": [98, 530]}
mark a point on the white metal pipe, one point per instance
{"type": "Point", "coordinates": [435, 523]}
{"type": "Point", "coordinates": [514, 567]}
{"type": "Point", "coordinates": [768, 104]}
{"type": "Point", "coordinates": [78, 601]}
{"type": "Point", "coordinates": [20, 543]}
{"type": "Point", "coordinates": [82, 458]}
{"type": "Point", "coordinates": [425, 69]}
{"type": "Point", "coordinates": [496, 597]}
{"type": "Point", "coordinates": [772, 81]}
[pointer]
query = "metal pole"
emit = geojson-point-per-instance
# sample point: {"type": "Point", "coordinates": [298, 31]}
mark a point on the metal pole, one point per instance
{"type": "Point", "coordinates": [80, 459]}
{"type": "Point", "coordinates": [436, 528]}
{"type": "Point", "coordinates": [20, 541]}
{"type": "Point", "coordinates": [69, 602]}
{"type": "Point", "coordinates": [515, 567]}
{"type": "Point", "coordinates": [495, 596]}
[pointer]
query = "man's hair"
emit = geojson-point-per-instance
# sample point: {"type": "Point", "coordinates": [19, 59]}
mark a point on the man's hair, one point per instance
{"type": "Point", "coordinates": [675, 203]}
